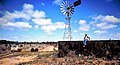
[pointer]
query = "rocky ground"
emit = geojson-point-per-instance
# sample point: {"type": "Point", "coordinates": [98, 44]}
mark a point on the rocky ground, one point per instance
{"type": "Point", "coordinates": [83, 60]}
{"type": "Point", "coordinates": [48, 56]}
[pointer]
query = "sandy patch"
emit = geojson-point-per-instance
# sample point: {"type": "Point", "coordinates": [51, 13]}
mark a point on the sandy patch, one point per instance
{"type": "Point", "coordinates": [16, 60]}
{"type": "Point", "coordinates": [48, 48]}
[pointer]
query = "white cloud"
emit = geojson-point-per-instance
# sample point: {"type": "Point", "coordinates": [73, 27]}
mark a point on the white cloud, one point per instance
{"type": "Point", "coordinates": [105, 22]}
{"type": "Point", "coordinates": [42, 21]}
{"type": "Point", "coordinates": [6, 18]}
{"type": "Point", "coordinates": [100, 32]}
{"type": "Point", "coordinates": [97, 17]}
{"type": "Point", "coordinates": [105, 25]}
{"type": "Point", "coordinates": [48, 28]}
{"type": "Point", "coordinates": [111, 19]}
{"type": "Point", "coordinates": [107, 18]}
{"type": "Point", "coordinates": [52, 27]}
{"type": "Point", "coordinates": [18, 24]}
{"type": "Point", "coordinates": [84, 26]}
{"type": "Point", "coordinates": [3, 21]}
{"type": "Point", "coordinates": [57, 2]}
{"type": "Point", "coordinates": [9, 18]}
{"type": "Point", "coordinates": [19, 19]}
{"type": "Point", "coordinates": [38, 14]}
{"type": "Point", "coordinates": [82, 22]}
{"type": "Point", "coordinates": [116, 35]}
{"type": "Point", "coordinates": [28, 8]}
{"type": "Point", "coordinates": [17, 14]}
{"type": "Point", "coordinates": [28, 13]}
{"type": "Point", "coordinates": [102, 24]}
{"type": "Point", "coordinates": [60, 25]}
{"type": "Point", "coordinates": [75, 31]}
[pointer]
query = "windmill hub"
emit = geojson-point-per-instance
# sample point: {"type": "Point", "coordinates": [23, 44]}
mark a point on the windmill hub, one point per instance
{"type": "Point", "coordinates": [68, 8]}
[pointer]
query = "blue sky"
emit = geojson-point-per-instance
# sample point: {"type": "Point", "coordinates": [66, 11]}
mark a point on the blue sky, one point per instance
{"type": "Point", "coordinates": [42, 20]}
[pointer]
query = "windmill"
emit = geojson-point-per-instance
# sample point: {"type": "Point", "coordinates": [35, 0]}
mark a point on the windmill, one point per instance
{"type": "Point", "coordinates": [67, 9]}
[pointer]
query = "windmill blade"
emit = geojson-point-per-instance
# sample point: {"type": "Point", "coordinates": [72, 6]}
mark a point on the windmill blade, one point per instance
{"type": "Point", "coordinates": [61, 8]}
{"type": "Point", "coordinates": [72, 12]}
{"type": "Point", "coordinates": [66, 2]}
{"type": "Point", "coordinates": [64, 12]}
{"type": "Point", "coordinates": [62, 4]}
{"type": "Point", "coordinates": [71, 5]}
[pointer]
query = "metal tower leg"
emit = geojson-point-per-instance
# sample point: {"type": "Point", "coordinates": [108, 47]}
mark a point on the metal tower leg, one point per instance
{"type": "Point", "coordinates": [68, 33]}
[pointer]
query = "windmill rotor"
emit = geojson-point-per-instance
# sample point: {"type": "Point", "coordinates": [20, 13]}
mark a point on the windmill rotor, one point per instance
{"type": "Point", "coordinates": [67, 8]}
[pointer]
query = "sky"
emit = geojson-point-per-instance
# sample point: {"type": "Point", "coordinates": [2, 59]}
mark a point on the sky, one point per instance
{"type": "Point", "coordinates": [42, 20]}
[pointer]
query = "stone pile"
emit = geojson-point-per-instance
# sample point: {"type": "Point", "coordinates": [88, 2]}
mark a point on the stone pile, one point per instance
{"type": "Point", "coordinates": [107, 49]}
